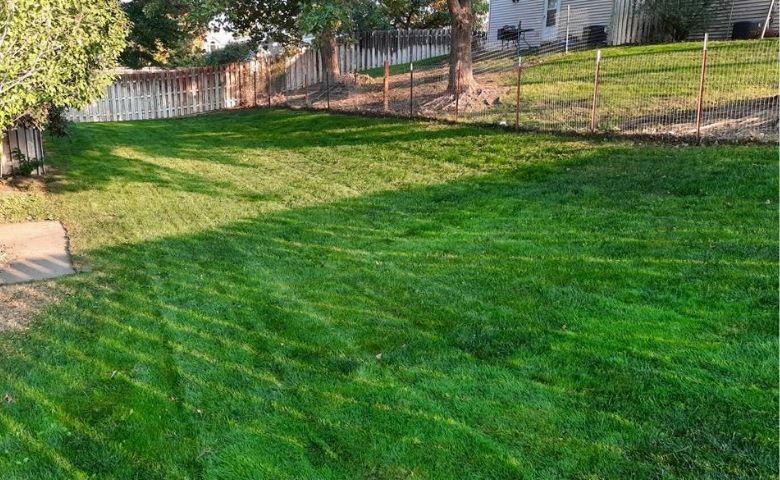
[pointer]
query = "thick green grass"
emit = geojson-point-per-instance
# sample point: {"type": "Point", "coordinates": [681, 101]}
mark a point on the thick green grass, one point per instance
{"type": "Point", "coordinates": [303, 295]}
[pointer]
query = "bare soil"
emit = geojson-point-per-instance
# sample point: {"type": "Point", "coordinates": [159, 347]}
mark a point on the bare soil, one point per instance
{"type": "Point", "coordinates": [20, 303]}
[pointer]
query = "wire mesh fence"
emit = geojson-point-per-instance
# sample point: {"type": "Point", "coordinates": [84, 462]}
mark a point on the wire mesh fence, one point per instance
{"type": "Point", "coordinates": [728, 92]}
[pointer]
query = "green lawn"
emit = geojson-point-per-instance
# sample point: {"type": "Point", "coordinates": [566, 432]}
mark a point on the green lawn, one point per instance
{"type": "Point", "coordinates": [303, 295]}
{"type": "Point", "coordinates": [401, 68]}
{"type": "Point", "coordinates": [639, 85]}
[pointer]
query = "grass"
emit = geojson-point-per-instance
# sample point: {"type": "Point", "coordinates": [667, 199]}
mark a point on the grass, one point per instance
{"type": "Point", "coordinates": [303, 295]}
{"type": "Point", "coordinates": [639, 85]}
{"type": "Point", "coordinates": [400, 68]}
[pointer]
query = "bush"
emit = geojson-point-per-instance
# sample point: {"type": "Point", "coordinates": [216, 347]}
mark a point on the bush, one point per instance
{"type": "Point", "coordinates": [231, 53]}
{"type": "Point", "coordinates": [56, 123]}
{"type": "Point", "coordinates": [26, 164]}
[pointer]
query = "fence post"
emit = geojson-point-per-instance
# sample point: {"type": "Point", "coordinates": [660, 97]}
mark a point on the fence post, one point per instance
{"type": "Point", "coordinates": [519, 86]}
{"type": "Point", "coordinates": [411, 89]}
{"type": "Point", "coordinates": [568, 18]}
{"type": "Point", "coordinates": [702, 78]}
{"type": "Point", "coordinates": [306, 82]}
{"type": "Point", "coordinates": [593, 113]}
{"type": "Point", "coordinates": [457, 91]}
{"type": "Point", "coordinates": [768, 19]}
{"type": "Point", "coordinates": [386, 87]}
{"type": "Point", "coordinates": [327, 89]}
{"type": "Point", "coordinates": [268, 75]}
{"type": "Point", "coordinates": [254, 81]}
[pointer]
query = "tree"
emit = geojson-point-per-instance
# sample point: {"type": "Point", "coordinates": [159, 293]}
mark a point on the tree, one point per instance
{"type": "Point", "coordinates": [676, 20]}
{"type": "Point", "coordinates": [165, 32]}
{"type": "Point", "coordinates": [462, 22]}
{"type": "Point", "coordinates": [406, 14]}
{"type": "Point", "coordinates": [56, 53]}
{"type": "Point", "coordinates": [265, 20]}
{"type": "Point", "coordinates": [324, 20]}
{"type": "Point", "coordinates": [287, 21]}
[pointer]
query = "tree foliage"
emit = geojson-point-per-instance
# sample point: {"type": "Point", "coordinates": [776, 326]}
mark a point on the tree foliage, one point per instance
{"type": "Point", "coordinates": [165, 32]}
{"type": "Point", "coordinates": [265, 20]}
{"type": "Point", "coordinates": [56, 52]}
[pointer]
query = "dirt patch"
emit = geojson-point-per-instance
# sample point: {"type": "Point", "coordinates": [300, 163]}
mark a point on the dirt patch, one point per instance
{"type": "Point", "coordinates": [478, 100]}
{"type": "Point", "coordinates": [23, 184]}
{"type": "Point", "coordinates": [20, 303]}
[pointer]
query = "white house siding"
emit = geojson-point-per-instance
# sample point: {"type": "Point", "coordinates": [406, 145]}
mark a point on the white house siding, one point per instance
{"type": "Point", "coordinates": [740, 11]}
{"type": "Point", "coordinates": [584, 13]}
{"type": "Point", "coordinates": [507, 12]}
{"type": "Point", "coordinates": [624, 24]}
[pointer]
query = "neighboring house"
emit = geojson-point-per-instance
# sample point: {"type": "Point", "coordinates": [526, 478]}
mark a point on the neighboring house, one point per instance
{"type": "Point", "coordinates": [218, 37]}
{"type": "Point", "coordinates": [619, 18]}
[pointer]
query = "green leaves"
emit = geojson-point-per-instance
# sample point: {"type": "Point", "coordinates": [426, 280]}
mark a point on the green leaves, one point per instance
{"type": "Point", "coordinates": [56, 52]}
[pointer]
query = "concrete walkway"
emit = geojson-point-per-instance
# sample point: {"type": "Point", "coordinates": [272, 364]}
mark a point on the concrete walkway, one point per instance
{"type": "Point", "coordinates": [37, 251]}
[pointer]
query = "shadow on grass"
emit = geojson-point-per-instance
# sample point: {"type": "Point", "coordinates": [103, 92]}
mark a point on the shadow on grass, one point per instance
{"type": "Point", "coordinates": [214, 140]}
{"type": "Point", "coordinates": [565, 322]}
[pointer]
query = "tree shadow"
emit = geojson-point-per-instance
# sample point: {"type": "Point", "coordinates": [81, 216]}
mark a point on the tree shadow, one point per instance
{"type": "Point", "coordinates": [187, 154]}
{"type": "Point", "coordinates": [566, 320]}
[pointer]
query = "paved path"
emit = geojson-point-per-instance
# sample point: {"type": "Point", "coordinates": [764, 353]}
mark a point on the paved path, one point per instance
{"type": "Point", "coordinates": [38, 250]}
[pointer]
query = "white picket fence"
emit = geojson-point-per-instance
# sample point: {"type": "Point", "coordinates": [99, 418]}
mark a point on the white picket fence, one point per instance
{"type": "Point", "coordinates": [142, 95]}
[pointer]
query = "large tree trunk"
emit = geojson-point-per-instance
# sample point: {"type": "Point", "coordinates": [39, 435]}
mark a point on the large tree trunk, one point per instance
{"type": "Point", "coordinates": [329, 53]}
{"type": "Point", "coordinates": [460, 45]}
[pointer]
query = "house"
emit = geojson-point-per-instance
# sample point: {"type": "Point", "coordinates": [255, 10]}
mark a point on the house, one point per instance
{"type": "Point", "coordinates": [547, 21]}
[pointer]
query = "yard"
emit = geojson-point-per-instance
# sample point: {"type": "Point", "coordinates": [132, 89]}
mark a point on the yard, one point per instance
{"type": "Point", "coordinates": [272, 294]}
{"type": "Point", "coordinates": [648, 89]}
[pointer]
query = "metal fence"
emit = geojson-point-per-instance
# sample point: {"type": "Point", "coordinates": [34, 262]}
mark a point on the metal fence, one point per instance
{"type": "Point", "coordinates": [724, 90]}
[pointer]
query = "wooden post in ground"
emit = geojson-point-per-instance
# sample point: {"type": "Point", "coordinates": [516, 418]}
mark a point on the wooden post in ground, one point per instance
{"type": "Point", "coordinates": [702, 78]}
{"type": "Point", "coordinates": [268, 76]}
{"type": "Point", "coordinates": [386, 87]}
{"type": "Point", "coordinates": [306, 83]}
{"type": "Point", "coordinates": [594, 106]}
{"type": "Point", "coordinates": [254, 82]}
{"type": "Point", "coordinates": [327, 89]}
{"type": "Point", "coordinates": [457, 91]}
{"type": "Point", "coordinates": [411, 89]}
{"type": "Point", "coordinates": [519, 86]}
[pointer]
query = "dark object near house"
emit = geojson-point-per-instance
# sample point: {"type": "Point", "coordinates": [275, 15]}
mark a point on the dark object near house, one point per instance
{"type": "Point", "coordinates": [507, 33]}
{"type": "Point", "coordinates": [594, 35]}
{"type": "Point", "coordinates": [513, 35]}
{"type": "Point", "coordinates": [746, 30]}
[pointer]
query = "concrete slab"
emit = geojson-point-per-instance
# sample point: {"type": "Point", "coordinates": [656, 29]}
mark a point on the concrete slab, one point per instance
{"type": "Point", "coordinates": [35, 251]}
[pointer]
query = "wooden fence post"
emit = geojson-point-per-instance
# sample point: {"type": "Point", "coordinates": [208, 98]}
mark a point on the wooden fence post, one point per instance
{"type": "Point", "coordinates": [306, 82]}
{"type": "Point", "coordinates": [268, 75]}
{"type": "Point", "coordinates": [702, 78]}
{"type": "Point", "coordinates": [457, 91]}
{"type": "Point", "coordinates": [254, 82]}
{"type": "Point", "coordinates": [594, 106]}
{"type": "Point", "coordinates": [327, 89]}
{"type": "Point", "coordinates": [519, 86]}
{"type": "Point", "coordinates": [386, 87]}
{"type": "Point", "coordinates": [411, 89]}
